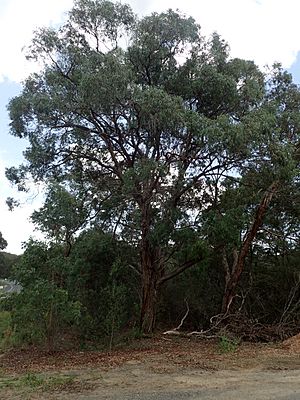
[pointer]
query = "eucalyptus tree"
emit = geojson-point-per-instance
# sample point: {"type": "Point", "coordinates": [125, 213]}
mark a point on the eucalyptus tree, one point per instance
{"type": "Point", "coordinates": [140, 117]}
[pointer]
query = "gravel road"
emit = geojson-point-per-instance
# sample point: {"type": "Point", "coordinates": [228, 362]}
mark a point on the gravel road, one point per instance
{"type": "Point", "coordinates": [195, 385]}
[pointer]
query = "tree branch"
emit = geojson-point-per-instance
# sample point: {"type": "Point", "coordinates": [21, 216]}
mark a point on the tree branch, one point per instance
{"type": "Point", "coordinates": [179, 270]}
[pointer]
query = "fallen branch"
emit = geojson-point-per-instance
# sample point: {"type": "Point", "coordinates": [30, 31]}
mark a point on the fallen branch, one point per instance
{"type": "Point", "coordinates": [175, 330]}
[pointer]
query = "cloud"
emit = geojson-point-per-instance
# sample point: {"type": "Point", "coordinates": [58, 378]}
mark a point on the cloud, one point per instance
{"type": "Point", "coordinates": [18, 20]}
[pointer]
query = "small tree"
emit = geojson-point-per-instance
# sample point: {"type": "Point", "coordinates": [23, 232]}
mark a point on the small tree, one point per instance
{"type": "Point", "coordinates": [43, 309]}
{"type": "Point", "coordinates": [115, 294]}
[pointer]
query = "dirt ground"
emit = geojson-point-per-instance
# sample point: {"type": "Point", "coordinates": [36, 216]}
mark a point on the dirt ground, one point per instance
{"type": "Point", "coordinates": [155, 368]}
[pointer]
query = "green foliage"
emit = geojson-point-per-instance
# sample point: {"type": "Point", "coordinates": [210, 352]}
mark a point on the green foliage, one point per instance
{"type": "Point", "coordinates": [104, 21]}
{"type": "Point", "coordinates": [100, 279]}
{"type": "Point", "coordinates": [43, 308]}
{"type": "Point", "coordinates": [228, 345]}
{"type": "Point", "coordinates": [115, 295]}
{"type": "Point", "coordinates": [3, 242]}
{"type": "Point", "coordinates": [7, 261]}
{"type": "Point", "coordinates": [86, 294]}
{"type": "Point", "coordinates": [61, 215]}
{"type": "Point", "coordinates": [5, 328]}
{"type": "Point", "coordinates": [40, 313]}
{"type": "Point", "coordinates": [153, 56]}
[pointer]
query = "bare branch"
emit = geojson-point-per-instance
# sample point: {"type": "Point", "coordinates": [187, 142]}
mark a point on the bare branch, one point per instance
{"type": "Point", "coordinates": [175, 330]}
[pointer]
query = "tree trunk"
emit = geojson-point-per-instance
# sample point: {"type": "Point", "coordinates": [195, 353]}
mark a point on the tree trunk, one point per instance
{"type": "Point", "coordinates": [150, 274]}
{"type": "Point", "coordinates": [149, 302]}
{"type": "Point", "coordinates": [154, 274]}
{"type": "Point", "coordinates": [233, 279]}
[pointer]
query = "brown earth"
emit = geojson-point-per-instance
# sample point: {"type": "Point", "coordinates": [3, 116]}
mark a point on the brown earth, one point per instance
{"type": "Point", "coordinates": [155, 364]}
{"type": "Point", "coordinates": [292, 344]}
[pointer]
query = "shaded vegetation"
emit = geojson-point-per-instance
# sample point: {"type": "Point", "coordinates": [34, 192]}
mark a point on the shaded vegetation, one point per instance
{"type": "Point", "coordinates": [7, 260]}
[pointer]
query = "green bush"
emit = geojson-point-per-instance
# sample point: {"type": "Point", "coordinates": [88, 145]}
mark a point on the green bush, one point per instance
{"type": "Point", "coordinates": [228, 345]}
{"type": "Point", "coordinates": [86, 296]}
{"type": "Point", "coordinates": [43, 308]}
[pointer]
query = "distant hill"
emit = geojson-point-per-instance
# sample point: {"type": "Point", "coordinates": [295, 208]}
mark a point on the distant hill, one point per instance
{"type": "Point", "coordinates": [7, 260]}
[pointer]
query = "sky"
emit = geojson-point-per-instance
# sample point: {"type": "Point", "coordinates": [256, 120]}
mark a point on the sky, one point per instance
{"type": "Point", "coordinates": [265, 31]}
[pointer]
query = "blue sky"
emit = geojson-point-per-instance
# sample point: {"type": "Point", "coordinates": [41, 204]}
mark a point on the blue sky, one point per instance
{"type": "Point", "coordinates": [264, 31]}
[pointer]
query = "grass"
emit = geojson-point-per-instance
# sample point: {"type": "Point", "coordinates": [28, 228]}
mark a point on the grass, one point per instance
{"type": "Point", "coordinates": [32, 382]}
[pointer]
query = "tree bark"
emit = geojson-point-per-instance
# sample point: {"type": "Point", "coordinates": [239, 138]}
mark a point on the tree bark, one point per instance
{"type": "Point", "coordinates": [233, 276]}
{"type": "Point", "coordinates": [149, 302]}
{"type": "Point", "coordinates": [149, 274]}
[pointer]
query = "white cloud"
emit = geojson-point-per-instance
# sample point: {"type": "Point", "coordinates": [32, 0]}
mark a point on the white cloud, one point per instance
{"type": "Point", "coordinates": [18, 20]}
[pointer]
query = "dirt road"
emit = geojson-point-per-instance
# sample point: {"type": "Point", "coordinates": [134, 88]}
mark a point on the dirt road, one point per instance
{"type": "Point", "coordinates": [135, 382]}
{"type": "Point", "coordinates": [158, 369]}
{"type": "Point", "coordinates": [196, 385]}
